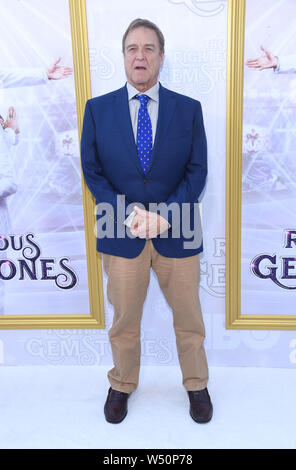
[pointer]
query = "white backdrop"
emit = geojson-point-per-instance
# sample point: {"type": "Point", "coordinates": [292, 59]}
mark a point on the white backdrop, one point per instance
{"type": "Point", "coordinates": [195, 64]}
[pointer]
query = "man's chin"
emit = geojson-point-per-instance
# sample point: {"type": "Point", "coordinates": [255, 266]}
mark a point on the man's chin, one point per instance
{"type": "Point", "coordinates": [140, 82]}
{"type": "Point", "coordinates": [140, 78]}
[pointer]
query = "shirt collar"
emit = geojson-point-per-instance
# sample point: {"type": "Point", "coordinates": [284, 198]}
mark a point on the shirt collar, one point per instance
{"type": "Point", "coordinates": [153, 92]}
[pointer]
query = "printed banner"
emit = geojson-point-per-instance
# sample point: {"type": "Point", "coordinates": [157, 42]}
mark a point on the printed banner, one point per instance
{"type": "Point", "coordinates": [269, 166]}
{"type": "Point", "coordinates": [42, 242]}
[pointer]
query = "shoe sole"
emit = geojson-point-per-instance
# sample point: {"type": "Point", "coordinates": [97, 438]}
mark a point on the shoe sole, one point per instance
{"type": "Point", "coordinates": [115, 421]}
{"type": "Point", "coordinates": [202, 421]}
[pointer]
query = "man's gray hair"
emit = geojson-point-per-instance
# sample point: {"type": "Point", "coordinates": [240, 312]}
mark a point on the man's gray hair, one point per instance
{"type": "Point", "coordinates": [139, 22]}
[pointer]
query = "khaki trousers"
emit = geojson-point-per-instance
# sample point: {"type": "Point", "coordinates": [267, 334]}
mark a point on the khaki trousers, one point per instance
{"type": "Point", "coordinates": [128, 280]}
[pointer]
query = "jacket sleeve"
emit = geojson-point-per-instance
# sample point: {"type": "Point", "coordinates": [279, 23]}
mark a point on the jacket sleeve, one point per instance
{"type": "Point", "coordinates": [286, 64]}
{"type": "Point", "coordinates": [99, 186]}
{"type": "Point", "coordinates": [193, 181]}
{"type": "Point", "coordinates": [7, 184]}
{"type": "Point", "coordinates": [23, 77]}
{"type": "Point", "coordinates": [10, 137]}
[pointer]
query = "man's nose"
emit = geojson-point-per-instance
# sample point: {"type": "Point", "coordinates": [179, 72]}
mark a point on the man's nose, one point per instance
{"type": "Point", "coordinates": [140, 54]}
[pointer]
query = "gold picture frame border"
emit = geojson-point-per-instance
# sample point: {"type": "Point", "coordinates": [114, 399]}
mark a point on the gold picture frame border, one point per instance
{"type": "Point", "coordinates": [78, 18]}
{"type": "Point", "coordinates": [234, 126]}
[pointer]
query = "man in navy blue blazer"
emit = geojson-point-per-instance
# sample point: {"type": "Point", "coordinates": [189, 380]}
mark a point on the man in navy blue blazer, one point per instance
{"type": "Point", "coordinates": [144, 159]}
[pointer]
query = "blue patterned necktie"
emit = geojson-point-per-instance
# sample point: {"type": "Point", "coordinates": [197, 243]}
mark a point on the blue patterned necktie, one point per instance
{"type": "Point", "coordinates": [144, 132]}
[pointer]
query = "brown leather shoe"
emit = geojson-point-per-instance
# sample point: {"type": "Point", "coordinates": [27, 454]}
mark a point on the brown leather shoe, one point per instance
{"type": "Point", "coordinates": [115, 408]}
{"type": "Point", "coordinates": [201, 408]}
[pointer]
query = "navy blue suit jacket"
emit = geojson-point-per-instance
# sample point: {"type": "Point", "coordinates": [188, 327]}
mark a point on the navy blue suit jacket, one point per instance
{"type": "Point", "coordinates": [176, 174]}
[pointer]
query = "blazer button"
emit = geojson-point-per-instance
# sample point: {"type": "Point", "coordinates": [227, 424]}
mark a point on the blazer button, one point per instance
{"type": "Point", "coordinates": [145, 181]}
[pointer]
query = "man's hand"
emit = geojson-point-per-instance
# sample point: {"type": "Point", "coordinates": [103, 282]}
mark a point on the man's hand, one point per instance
{"type": "Point", "coordinates": [266, 61]}
{"type": "Point", "coordinates": [148, 224]}
{"type": "Point", "coordinates": [57, 72]}
{"type": "Point", "coordinates": [137, 220]}
{"type": "Point", "coordinates": [11, 120]}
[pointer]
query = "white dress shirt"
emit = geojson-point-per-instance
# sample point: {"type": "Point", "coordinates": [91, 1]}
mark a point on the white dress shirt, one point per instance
{"type": "Point", "coordinates": [134, 106]}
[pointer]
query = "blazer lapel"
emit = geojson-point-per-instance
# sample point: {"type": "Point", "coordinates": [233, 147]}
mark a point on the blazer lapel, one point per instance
{"type": "Point", "coordinates": [123, 118]}
{"type": "Point", "coordinates": [167, 103]}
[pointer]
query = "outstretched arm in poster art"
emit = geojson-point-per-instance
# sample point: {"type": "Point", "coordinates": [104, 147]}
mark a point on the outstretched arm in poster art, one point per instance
{"type": "Point", "coordinates": [34, 76]}
{"type": "Point", "coordinates": [283, 64]}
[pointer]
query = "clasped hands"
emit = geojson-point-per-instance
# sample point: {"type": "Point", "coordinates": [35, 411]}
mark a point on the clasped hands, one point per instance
{"type": "Point", "coordinates": [147, 224]}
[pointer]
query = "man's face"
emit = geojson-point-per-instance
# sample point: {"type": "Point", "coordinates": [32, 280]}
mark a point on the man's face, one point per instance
{"type": "Point", "coordinates": [142, 58]}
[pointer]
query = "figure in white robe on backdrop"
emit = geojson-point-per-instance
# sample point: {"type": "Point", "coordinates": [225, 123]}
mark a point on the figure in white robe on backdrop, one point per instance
{"type": "Point", "coordinates": [7, 188]}
{"type": "Point", "coordinates": [9, 136]}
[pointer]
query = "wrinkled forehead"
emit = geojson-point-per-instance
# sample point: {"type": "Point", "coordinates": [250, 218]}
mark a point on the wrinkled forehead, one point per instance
{"type": "Point", "coordinates": [142, 36]}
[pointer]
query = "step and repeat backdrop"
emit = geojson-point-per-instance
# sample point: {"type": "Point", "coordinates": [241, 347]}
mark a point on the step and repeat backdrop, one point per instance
{"type": "Point", "coordinates": [46, 199]}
